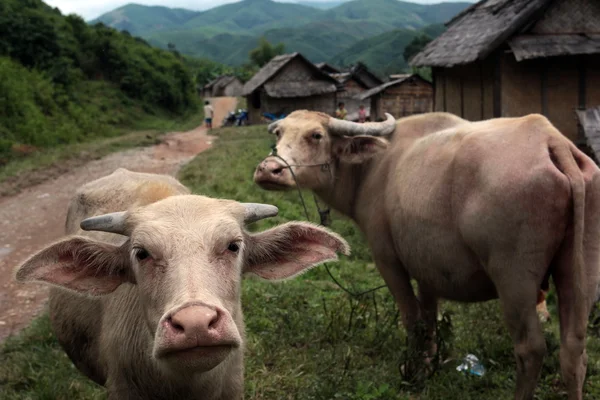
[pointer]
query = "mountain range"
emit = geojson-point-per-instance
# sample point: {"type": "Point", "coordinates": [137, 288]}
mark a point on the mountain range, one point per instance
{"type": "Point", "coordinates": [339, 32]}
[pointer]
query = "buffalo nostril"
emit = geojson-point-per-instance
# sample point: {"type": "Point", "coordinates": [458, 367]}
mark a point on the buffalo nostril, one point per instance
{"type": "Point", "coordinates": [176, 327]}
{"type": "Point", "coordinates": [277, 171]}
{"type": "Point", "coordinates": [213, 322]}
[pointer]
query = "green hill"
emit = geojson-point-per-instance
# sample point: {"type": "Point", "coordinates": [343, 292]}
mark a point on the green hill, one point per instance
{"type": "Point", "coordinates": [138, 19]}
{"type": "Point", "coordinates": [390, 13]}
{"type": "Point", "coordinates": [252, 16]}
{"type": "Point", "coordinates": [320, 40]}
{"type": "Point", "coordinates": [383, 53]}
{"type": "Point", "coordinates": [317, 41]}
{"type": "Point", "coordinates": [227, 33]}
{"type": "Point", "coordinates": [63, 81]}
{"type": "Point", "coordinates": [323, 5]}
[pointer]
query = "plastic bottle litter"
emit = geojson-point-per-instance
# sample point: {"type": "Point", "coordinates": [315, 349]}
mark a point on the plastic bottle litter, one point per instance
{"type": "Point", "coordinates": [471, 365]}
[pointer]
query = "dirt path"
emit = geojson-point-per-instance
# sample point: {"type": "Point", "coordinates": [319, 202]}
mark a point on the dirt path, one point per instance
{"type": "Point", "coordinates": [36, 216]}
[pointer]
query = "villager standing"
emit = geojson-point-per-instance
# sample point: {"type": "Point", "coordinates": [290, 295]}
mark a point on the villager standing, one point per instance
{"type": "Point", "coordinates": [362, 114]}
{"type": "Point", "coordinates": [208, 114]}
{"type": "Point", "coordinates": [341, 112]}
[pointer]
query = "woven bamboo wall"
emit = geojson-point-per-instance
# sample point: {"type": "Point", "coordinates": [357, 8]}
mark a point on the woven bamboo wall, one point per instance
{"type": "Point", "coordinates": [405, 99]}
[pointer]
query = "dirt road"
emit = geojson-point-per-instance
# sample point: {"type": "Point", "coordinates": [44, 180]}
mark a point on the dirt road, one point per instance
{"type": "Point", "coordinates": [36, 216]}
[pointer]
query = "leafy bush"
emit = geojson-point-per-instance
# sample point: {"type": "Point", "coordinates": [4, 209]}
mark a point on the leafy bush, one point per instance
{"type": "Point", "coordinates": [63, 81]}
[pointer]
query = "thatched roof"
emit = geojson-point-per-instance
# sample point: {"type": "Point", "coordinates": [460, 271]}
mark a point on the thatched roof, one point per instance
{"type": "Point", "coordinates": [394, 77]}
{"type": "Point", "coordinates": [222, 80]}
{"type": "Point", "coordinates": [322, 83]}
{"type": "Point", "coordinates": [378, 89]}
{"type": "Point", "coordinates": [535, 46]}
{"type": "Point", "coordinates": [479, 30]}
{"type": "Point", "coordinates": [299, 89]}
{"type": "Point", "coordinates": [341, 77]}
{"type": "Point", "coordinates": [323, 66]}
{"type": "Point", "coordinates": [211, 83]}
{"type": "Point", "coordinates": [590, 121]}
{"type": "Point", "coordinates": [361, 74]}
{"type": "Point", "coordinates": [364, 76]}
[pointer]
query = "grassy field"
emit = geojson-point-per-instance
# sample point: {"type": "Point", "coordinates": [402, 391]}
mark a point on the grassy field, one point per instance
{"type": "Point", "coordinates": [307, 339]}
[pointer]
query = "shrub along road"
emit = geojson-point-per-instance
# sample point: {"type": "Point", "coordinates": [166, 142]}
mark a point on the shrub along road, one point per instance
{"type": "Point", "coordinates": [36, 216]}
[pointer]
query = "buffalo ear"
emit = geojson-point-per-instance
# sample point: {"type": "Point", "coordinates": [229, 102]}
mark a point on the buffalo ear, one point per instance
{"type": "Point", "coordinates": [78, 264]}
{"type": "Point", "coordinates": [290, 249]}
{"type": "Point", "coordinates": [357, 149]}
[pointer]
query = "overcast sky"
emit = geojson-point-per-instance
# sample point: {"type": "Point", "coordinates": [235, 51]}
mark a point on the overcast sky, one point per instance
{"type": "Point", "coordinates": [90, 9]}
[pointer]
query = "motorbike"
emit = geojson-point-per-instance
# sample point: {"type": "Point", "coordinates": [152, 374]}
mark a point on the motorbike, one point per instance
{"type": "Point", "coordinates": [270, 117]}
{"type": "Point", "coordinates": [242, 117]}
{"type": "Point", "coordinates": [230, 119]}
{"type": "Point", "coordinates": [239, 118]}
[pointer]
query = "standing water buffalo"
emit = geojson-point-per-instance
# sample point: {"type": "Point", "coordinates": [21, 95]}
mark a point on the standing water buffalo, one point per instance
{"type": "Point", "coordinates": [471, 210]}
{"type": "Point", "coordinates": [148, 304]}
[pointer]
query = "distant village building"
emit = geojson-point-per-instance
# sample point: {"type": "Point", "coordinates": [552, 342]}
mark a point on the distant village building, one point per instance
{"type": "Point", "coordinates": [508, 58]}
{"type": "Point", "coordinates": [401, 97]}
{"type": "Point", "coordinates": [287, 83]}
{"type": "Point", "coordinates": [224, 85]}
{"type": "Point", "coordinates": [328, 69]}
{"type": "Point", "coordinates": [590, 122]}
{"type": "Point", "coordinates": [354, 82]}
{"type": "Point", "coordinates": [395, 77]}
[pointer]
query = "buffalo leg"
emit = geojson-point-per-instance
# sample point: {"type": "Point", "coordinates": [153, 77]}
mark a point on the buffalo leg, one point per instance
{"type": "Point", "coordinates": [398, 282]}
{"type": "Point", "coordinates": [576, 278]}
{"type": "Point", "coordinates": [519, 309]}
{"type": "Point", "coordinates": [575, 301]}
{"type": "Point", "coordinates": [429, 312]}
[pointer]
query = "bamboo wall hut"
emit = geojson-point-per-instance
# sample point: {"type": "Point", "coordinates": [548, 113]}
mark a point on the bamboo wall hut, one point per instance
{"type": "Point", "coordinates": [353, 83]}
{"type": "Point", "coordinates": [507, 58]}
{"type": "Point", "coordinates": [327, 68]}
{"type": "Point", "coordinates": [365, 76]}
{"type": "Point", "coordinates": [590, 123]}
{"type": "Point", "coordinates": [224, 85]}
{"type": "Point", "coordinates": [287, 83]}
{"type": "Point", "coordinates": [402, 97]}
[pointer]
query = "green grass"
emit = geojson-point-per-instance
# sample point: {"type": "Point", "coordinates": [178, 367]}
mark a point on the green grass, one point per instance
{"type": "Point", "coordinates": [307, 339]}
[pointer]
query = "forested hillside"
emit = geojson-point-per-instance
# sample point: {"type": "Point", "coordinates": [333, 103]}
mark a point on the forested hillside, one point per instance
{"type": "Point", "coordinates": [64, 81]}
{"type": "Point", "coordinates": [384, 52]}
{"type": "Point", "coordinates": [227, 33]}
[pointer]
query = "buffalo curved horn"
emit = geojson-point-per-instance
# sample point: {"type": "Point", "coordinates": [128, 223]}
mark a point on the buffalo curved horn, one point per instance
{"type": "Point", "coordinates": [256, 212]}
{"type": "Point", "coordinates": [338, 127]}
{"type": "Point", "coordinates": [272, 126]}
{"type": "Point", "coordinates": [113, 223]}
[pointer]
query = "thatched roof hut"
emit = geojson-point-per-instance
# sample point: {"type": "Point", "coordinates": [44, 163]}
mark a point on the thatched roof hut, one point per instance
{"type": "Point", "coordinates": [590, 123]}
{"type": "Point", "coordinates": [355, 81]}
{"type": "Point", "coordinates": [290, 82]}
{"type": "Point", "coordinates": [365, 76]}
{"type": "Point", "coordinates": [224, 85]}
{"type": "Point", "coordinates": [327, 68]}
{"type": "Point", "coordinates": [401, 97]}
{"type": "Point", "coordinates": [501, 58]}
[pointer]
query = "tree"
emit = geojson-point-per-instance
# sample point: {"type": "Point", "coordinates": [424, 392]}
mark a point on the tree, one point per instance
{"type": "Point", "coordinates": [416, 46]}
{"type": "Point", "coordinates": [265, 52]}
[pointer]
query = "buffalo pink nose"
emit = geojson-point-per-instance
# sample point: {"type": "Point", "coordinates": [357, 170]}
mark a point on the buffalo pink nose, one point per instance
{"type": "Point", "coordinates": [194, 321]}
{"type": "Point", "coordinates": [270, 168]}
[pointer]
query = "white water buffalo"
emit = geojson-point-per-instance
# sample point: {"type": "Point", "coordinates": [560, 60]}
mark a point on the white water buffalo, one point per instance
{"type": "Point", "coordinates": [148, 303]}
{"type": "Point", "coordinates": [470, 210]}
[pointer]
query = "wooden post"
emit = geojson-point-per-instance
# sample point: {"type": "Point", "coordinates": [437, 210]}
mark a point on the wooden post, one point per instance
{"type": "Point", "coordinates": [498, 86]}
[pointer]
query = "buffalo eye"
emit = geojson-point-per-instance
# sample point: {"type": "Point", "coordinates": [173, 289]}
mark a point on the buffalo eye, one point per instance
{"type": "Point", "coordinates": [142, 254]}
{"type": "Point", "coordinates": [233, 247]}
{"type": "Point", "coordinates": [317, 136]}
